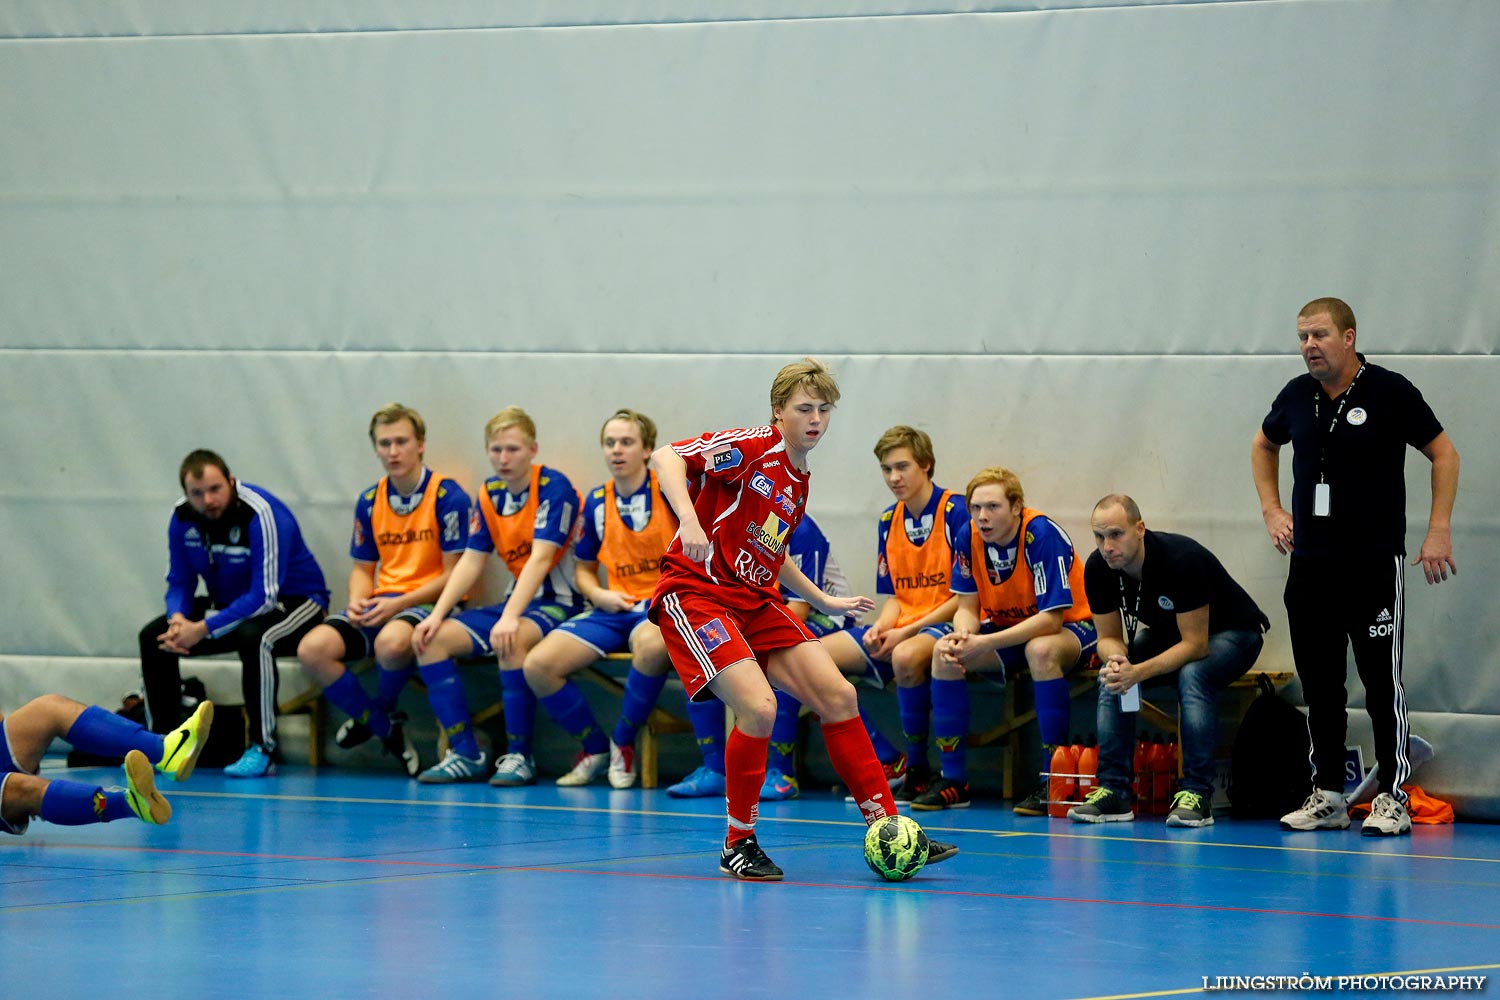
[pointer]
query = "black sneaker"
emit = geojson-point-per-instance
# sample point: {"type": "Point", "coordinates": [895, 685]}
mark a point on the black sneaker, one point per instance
{"type": "Point", "coordinates": [400, 746]}
{"type": "Point", "coordinates": [938, 852]}
{"type": "Point", "coordinates": [352, 733]}
{"type": "Point", "coordinates": [1190, 809]}
{"type": "Point", "coordinates": [943, 794]}
{"type": "Point", "coordinates": [914, 784]}
{"type": "Point", "coordinates": [1034, 804]}
{"type": "Point", "coordinates": [748, 863]}
{"type": "Point", "coordinates": [1102, 806]}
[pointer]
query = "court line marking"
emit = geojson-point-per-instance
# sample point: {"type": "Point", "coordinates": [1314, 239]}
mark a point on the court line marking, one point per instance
{"type": "Point", "coordinates": [474, 869]}
{"type": "Point", "coordinates": [1351, 975]}
{"type": "Point", "coordinates": [719, 816]}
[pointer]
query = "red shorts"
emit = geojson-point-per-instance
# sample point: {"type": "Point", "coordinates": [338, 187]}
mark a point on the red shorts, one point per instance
{"type": "Point", "coordinates": [703, 636]}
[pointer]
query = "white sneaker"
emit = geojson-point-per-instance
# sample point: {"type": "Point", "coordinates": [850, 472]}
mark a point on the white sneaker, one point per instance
{"type": "Point", "coordinates": [1323, 810]}
{"type": "Point", "coordinates": [622, 772]}
{"type": "Point", "coordinates": [514, 769]}
{"type": "Point", "coordinates": [1388, 818]}
{"type": "Point", "coordinates": [586, 767]}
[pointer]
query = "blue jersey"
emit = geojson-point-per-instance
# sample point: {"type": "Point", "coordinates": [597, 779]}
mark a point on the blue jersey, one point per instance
{"type": "Point", "coordinates": [635, 510]}
{"type": "Point", "coordinates": [556, 516]}
{"type": "Point", "coordinates": [810, 552]}
{"type": "Point", "coordinates": [955, 519]}
{"type": "Point", "coordinates": [452, 515]}
{"type": "Point", "coordinates": [249, 558]}
{"type": "Point", "coordinates": [1049, 547]}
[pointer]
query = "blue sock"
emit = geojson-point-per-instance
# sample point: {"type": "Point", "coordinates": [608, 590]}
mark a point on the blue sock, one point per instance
{"type": "Point", "coordinates": [102, 732]}
{"type": "Point", "coordinates": [520, 711]}
{"type": "Point", "coordinates": [707, 718]}
{"type": "Point", "coordinates": [915, 704]}
{"type": "Point", "coordinates": [451, 706]}
{"type": "Point", "coordinates": [784, 734]}
{"type": "Point", "coordinates": [348, 695]}
{"type": "Point", "coordinates": [885, 751]}
{"type": "Point", "coordinates": [1054, 710]}
{"type": "Point", "coordinates": [72, 803]}
{"type": "Point", "coordinates": [950, 726]}
{"type": "Point", "coordinates": [570, 709]}
{"type": "Point", "coordinates": [641, 693]}
{"type": "Point", "coordinates": [390, 684]}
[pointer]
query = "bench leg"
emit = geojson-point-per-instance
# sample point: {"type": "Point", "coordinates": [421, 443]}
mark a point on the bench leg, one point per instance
{"type": "Point", "coordinates": [647, 761]}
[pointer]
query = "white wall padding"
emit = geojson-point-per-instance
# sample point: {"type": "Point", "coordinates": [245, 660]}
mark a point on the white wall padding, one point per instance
{"type": "Point", "coordinates": [1072, 241]}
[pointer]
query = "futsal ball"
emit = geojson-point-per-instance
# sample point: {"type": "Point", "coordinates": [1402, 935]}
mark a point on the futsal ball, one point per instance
{"type": "Point", "coordinates": [895, 848]}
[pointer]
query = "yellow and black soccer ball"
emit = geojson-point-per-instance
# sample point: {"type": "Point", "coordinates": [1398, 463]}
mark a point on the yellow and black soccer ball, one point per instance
{"type": "Point", "coordinates": [895, 848]}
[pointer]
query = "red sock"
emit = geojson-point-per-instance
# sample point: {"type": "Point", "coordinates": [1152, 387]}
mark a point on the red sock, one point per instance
{"type": "Point", "coordinates": [854, 759]}
{"type": "Point", "coordinates": [744, 773]}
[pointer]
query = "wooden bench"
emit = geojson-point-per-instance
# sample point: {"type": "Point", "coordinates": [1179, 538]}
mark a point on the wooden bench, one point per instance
{"type": "Point", "coordinates": [1086, 683]}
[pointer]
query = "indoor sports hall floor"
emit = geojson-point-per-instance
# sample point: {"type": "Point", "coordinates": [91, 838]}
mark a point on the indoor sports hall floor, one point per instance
{"type": "Point", "coordinates": [345, 884]}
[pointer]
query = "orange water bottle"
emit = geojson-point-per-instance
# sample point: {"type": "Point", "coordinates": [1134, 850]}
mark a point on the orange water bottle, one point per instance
{"type": "Point", "coordinates": [1088, 767]}
{"type": "Point", "coordinates": [1062, 784]}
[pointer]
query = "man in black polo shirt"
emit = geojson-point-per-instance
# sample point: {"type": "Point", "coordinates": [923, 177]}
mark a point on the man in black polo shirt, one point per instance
{"type": "Point", "coordinates": [1163, 605]}
{"type": "Point", "coordinates": [1349, 423]}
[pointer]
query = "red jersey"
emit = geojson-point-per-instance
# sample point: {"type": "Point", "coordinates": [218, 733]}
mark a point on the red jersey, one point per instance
{"type": "Point", "coordinates": [749, 499]}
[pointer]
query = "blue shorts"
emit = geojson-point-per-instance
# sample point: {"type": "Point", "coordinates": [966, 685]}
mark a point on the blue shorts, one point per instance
{"type": "Point", "coordinates": [8, 766]}
{"type": "Point", "coordinates": [547, 615]}
{"type": "Point", "coordinates": [605, 632]}
{"type": "Point", "coordinates": [1013, 658]}
{"type": "Point", "coordinates": [359, 640]}
{"type": "Point", "coordinates": [878, 673]}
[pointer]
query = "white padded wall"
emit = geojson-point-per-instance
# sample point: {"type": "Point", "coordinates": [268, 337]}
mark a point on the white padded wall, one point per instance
{"type": "Point", "coordinates": [1072, 241]}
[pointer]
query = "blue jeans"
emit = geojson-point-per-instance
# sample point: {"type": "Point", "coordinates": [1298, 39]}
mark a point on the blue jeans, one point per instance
{"type": "Point", "coordinates": [1199, 682]}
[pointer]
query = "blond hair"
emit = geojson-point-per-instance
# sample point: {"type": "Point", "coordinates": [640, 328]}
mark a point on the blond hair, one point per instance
{"type": "Point", "coordinates": [511, 416]}
{"type": "Point", "coordinates": [809, 374]}
{"type": "Point", "coordinates": [392, 412]}
{"type": "Point", "coordinates": [645, 424]}
{"type": "Point", "coordinates": [915, 441]}
{"type": "Point", "coordinates": [1001, 477]}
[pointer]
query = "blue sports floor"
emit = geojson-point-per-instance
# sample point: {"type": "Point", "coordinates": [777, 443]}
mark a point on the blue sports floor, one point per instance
{"type": "Point", "coordinates": [342, 884]}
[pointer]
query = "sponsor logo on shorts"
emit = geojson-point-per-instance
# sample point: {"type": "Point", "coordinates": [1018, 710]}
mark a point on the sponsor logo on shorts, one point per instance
{"type": "Point", "coordinates": [713, 635]}
{"type": "Point", "coordinates": [1384, 624]}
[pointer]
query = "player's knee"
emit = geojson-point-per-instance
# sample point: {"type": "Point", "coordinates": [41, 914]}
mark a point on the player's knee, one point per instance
{"type": "Point", "coordinates": [393, 646]}
{"type": "Point", "coordinates": [319, 653]}
{"type": "Point", "coordinates": [839, 702]}
{"type": "Point", "coordinates": [942, 670]}
{"type": "Point", "coordinates": [649, 654]}
{"type": "Point", "coordinates": [1044, 660]}
{"type": "Point", "coordinates": [757, 716]}
{"type": "Point", "coordinates": [909, 670]}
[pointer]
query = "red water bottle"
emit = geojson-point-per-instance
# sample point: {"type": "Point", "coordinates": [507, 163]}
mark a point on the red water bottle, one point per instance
{"type": "Point", "coordinates": [1062, 783]}
{"type": "Point", "coordinates": [1171, 767]}
{"type": "Point", "coordinates": [1142, 768]}
{"type": "Point", "coordinates": [1163, 775]}
{"type": "Point", "coordinates": [1088, 768]}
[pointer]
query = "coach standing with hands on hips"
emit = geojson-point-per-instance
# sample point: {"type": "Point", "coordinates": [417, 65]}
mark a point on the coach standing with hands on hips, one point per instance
{"type": "Point", "coordinates": [1349, 422]}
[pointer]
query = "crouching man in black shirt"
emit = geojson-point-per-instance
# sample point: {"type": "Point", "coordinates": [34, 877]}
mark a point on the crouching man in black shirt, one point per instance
{"type": "Point", "coordinates": [1164, 607]}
